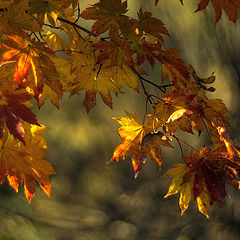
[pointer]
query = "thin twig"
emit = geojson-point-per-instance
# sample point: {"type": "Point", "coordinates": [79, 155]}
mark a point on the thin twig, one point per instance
{"type": "Point", "coordinates": [68, 50]}
{"type": "Point", "coordinates": [178, 139]}
{"type": "Point", "coordinates": [180, 146]}
{"type": "Point", "coordinates": [78, 33]}
{"type": "Point", "coordinates": [162, 88]}
{"type": "Point", "coordinates": [78, 14]}
{"type": "Point", "coordinates": [77, 26]}
{"type": "Point", "coordinates": [36, 37]}
{"type": "Point", "coordinates": [51, 26]}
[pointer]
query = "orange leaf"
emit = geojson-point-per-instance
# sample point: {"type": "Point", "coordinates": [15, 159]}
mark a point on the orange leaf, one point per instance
{"type": "Point", "coordinates": [24, 164]}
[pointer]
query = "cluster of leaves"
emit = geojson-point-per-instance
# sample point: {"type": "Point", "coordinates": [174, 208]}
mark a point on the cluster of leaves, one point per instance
{"type": "Point", "coordinates": [100, 61]}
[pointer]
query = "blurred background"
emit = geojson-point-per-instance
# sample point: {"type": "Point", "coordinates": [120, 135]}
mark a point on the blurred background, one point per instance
{"type": "Point", "coordinates": [91, 200]}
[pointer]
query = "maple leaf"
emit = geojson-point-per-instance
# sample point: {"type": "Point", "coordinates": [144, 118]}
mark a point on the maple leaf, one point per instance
{"type": "Point", "coordinates": [151, 25]}
{"type": "Point", "coordinates": [12, 109]}
{"type": "Point", "coordinates": [108, 15]}
{"type": "Point", "coordinates": [224, 137]}
{"type": "Point", "coordinates": [49, 10]}
{"type": "Point", "coordinates": [229, 6]}
{"type": "Point", "coordinates": [173, 67]}
{"type": "Point", "coordinates": [17, 18]}
{"type": "Point", "coordinates": [179, 185]}
{"type": "Point", "coordinates": [174, 112]}
{"type": "Point", "coordinates": [131, 132]}
{"type": "Point", "coordinates": [138, 141]}
{"type": "Point", "coordinates": [117, 53]}
{"type": "Point", "coordinates": [97, 78]}
{"type": "Point", "coordinates": [34, 67]}
{"type": "Point", "coordinates": [212, 169]}
{"type": "Point", "coordinates": [204, 110]}
{"type": "Point", "coordinates": [24, 164]}
{"type": "Point", "coordinates": [177, 174]}
{"type": "Point", "coordinates": [204, 176]}
{"type": "Point", "coordinates": [146, 51]}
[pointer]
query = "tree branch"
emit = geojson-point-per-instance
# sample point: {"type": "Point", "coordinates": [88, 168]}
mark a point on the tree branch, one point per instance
{"type": "Point", "coordinates": [77, 26]}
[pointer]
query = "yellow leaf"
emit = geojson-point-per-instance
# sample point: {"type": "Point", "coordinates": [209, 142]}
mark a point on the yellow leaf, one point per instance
{"type": "Point", "coordinates": [176, 115]}
{"type": "Point", "coordinates": [52, 18]}
{"type": "Point", "coordinates": [177, 173]}
{"type": "Point", "coordinates": [203, 202]}
{"type": "Point", "coordinates": [96, 78]}
{"type": "Point", "coordinates": [185, 196]}
{"type": "Point", "coordinates": [131, 133]}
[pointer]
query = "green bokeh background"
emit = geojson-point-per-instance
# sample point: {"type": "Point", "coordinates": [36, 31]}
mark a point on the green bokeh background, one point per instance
{"type": "Point", "coordinates": [91, 200]}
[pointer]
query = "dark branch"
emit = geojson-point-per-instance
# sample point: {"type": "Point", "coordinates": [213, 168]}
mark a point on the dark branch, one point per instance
{"type": "Point", "coordinates": [76, 26]}
{"type": "Point", "coordinates": [162, 88]}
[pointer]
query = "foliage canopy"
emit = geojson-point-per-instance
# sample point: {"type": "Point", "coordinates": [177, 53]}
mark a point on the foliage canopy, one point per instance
{"type": "Point", "coordinates": [100, 61]}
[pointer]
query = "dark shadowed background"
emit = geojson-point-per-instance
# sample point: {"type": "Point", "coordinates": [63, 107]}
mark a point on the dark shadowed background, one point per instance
{"type": "Point", "coordinates": [91, 200]}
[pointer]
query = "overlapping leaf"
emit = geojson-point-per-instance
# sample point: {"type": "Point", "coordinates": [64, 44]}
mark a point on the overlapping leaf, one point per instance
{"type": "Point", "coordinates": [138, 141]}
{"type": "Point", "coordinates": [34, 66]}
{"type": "Point", "coordinates": [12, 109]}
{"type": "Point", "coordinates": [151, 25]}
{"type": "Point", "coordinates": [24, 164]}
{"type": "Point", "coordinates": [204, 177]}
{"type": "Point", "coordinates": [109, 16]}
{"type": "Point", "coordinates": [17, 18]}
{"type": "Point", "coordinates": [97, 78]}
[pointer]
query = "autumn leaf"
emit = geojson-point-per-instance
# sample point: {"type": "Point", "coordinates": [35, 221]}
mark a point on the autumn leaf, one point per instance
{"type": "Point", "coordinates": [24, 164]}
{"type": "Point", "coordinates": [117, 54]}
{"type": "Point", "coordinates": [109, 16]}
{"type": "Point", "coordinates": [203, 202]}
{"type": "Point", "coordinates": [185, 196]}
{"type": "Point", "coordinates": [139, 141]}
{"type": "Point", "coordinates": [173, 67]}
{"type": "Point", "coordinates": [49, 10]}
{"type": "Point", "coordinates": [34, 68]}
{"type": "Point", "coordinates": [12, 109]}
{"type": "Point", "coordinates": [17, 18]}
{"type": "Point", "coordinates": [177, 174]}
{"type": "Point", "coordinates": [172, 112]}
{"type": "Point", "coordinates": [204, 177]}
{"type": "Point", "coordinates": [224, 137]}
{"type": "Point", "coordinates": [179, 185]}
{"type": "Point", "coordinates": [131, 133]}
{"type": "Point", "coordinates": [151, 25]}
{"type": "Point", "coordinates": [97, 78]}
{"type": "Point", "coordinates": [209, 168]}
{"type": "Point", "coordinates": [204, 110]}
{"type": "Point", "coordinates": [229, 6]}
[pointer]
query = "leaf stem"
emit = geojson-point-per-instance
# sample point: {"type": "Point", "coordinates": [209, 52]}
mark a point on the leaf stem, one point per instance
{"type": "Point", "coordinates": [77, 26]}
{"type": "Point", "coordinates": [162, 88]}
{"type": "Point", "coordinates": [180, 140]}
